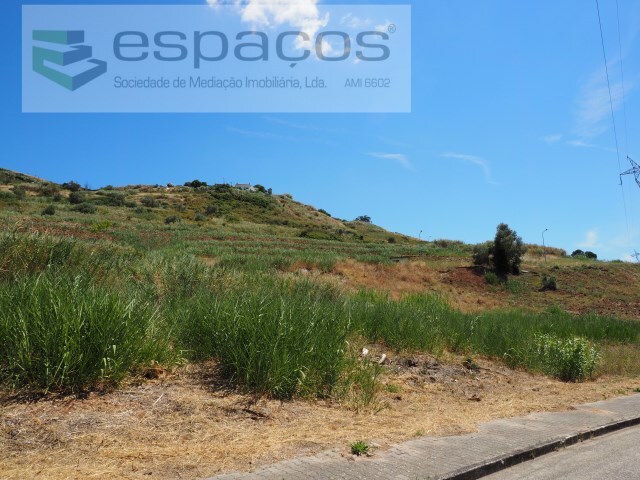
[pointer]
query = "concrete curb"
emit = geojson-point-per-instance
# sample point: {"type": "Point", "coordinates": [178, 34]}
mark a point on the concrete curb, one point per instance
{"type": "Point", "coordinates": [503, 462]}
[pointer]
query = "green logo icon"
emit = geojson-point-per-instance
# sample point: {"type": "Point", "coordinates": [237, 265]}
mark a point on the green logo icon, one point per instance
{"type": "Point", "coordinates": [61, 57]}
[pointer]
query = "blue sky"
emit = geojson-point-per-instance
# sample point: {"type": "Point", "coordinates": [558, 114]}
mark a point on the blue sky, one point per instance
{"type": "Point", "coordinates": [510, 122]}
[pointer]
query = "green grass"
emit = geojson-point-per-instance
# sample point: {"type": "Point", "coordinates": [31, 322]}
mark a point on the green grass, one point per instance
{"type": "Point", "coordinates": [66, 334]}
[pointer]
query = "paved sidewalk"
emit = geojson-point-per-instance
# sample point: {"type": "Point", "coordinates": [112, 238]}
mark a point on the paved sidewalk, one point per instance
{"type": "Point", "coordinates": [495, 446]}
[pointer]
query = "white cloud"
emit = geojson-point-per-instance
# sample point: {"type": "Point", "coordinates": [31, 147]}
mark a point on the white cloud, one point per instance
{"type": "Point", "coordinates": [593, 106]}
{"type": "Point", "coordinates": [590, 239]}
{"type": "Point", "coordinates": [554, 138]}
{"type": "Point", "coordinates": [581, 144]}
{"type": "Point", "coordinates": [302, 14]}
{"type": "Point", "coordinates": [400, 158]}
{"type": "Point", "coordinates": [384, 27]}
{"type": "Point", "coordinates": [351, 21]}
{"type": "Point", "coordinates": [481, 162]}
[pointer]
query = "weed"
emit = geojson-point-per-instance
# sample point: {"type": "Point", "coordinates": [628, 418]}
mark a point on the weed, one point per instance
{"type": "Point", "coordinates": [359, 448]}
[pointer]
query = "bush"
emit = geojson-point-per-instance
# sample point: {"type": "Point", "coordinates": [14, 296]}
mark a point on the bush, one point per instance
{"type": "Point", "coordinates": [195, 184]}
{"type": "Point", "coordinates": [591, 255]}
{"type": "Point", "coordinates": [85, 207]}
{"type": "Point", "coordinates": [49, 210]}
{"type": "Point", "coordinates": [363, 218]}
{"type": "Point", "coordinates": [507, 250]}
{"type": "Point", "coordinates": [63, 334]}
{"type": "Point", "coordinates": [116, 199]}
{"type": "Point", "coordinates": [212, 210]}
{"type": "Point", "coordinates": [549, 283]}
{"type": "Point", "coordinates": [71, 186]}
{"type": "Point", "coordinates": [19, 191]}
{"type": "Point", "coordinates": [571, 360]}
{"type": "Point", "coordinates": [171, 219]}
{"type": "Point", "coordinates": [57, 197]}
{"type": "Point", "coordinates": [150, 202]}
{"type": "Point", "coordinates": [324, 212]}
{"type": "Point", "coordinates": [578, 253]}
{"type": "Point", "coordinates": [76, 198]}
{"type": "Point", "coordinates": [482, 254]}
{"type": "Point", "coordinates": [200, 217]}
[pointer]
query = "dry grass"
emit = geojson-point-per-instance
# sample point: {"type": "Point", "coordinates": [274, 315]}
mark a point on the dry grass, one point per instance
{"type": "Point", "coordinates": [583, 287]}
{"type": "Point", "coordinates": [185, 426]}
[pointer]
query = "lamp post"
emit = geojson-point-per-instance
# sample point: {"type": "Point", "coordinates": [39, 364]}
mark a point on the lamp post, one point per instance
{"type": "Point", "coordinates": [420, 235]}
{"type": "Point", "coordinates": [544, 249]}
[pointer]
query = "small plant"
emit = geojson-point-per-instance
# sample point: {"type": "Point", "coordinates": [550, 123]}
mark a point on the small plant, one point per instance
{"type": "Point", "coordinates": [636, 390]}
{"type": "Point", "coordinates": [569, 359]}
{"type": "Point", "coordinates": [391, 240]}
{"type": "Point", "coordinates": [101, 226]}
{"type": "Point", "coordinates": [171, 219]}
{"type": "Point", "coordinates": [549, 283]}
{"type": "Point", "coordinates": [85, 207]}
{"type": "Point", "coordinates": [200, 217]}
{"type": "Point", "coordinates": [49, 210]}
{"type": "Point", "coordinates": [392, 388]}
{"type": "Point", "coordinates": [359, 448]}
{"type": "Point", "coordinates": [470, 364]}
{"type": "Point", "coordinates": [491, 278]}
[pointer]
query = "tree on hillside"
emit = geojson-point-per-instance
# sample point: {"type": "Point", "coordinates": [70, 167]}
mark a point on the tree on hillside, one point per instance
{"type": "Point", "coordinates": [508, 249]}
{"type": "Point", "coordinates": [504, 253]}
{"type": "Point", "coordinates": [363, 218]}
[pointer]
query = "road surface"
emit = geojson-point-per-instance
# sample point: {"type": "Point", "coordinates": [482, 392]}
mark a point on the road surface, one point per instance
{"type": "Point", "coordinates": [613, 456]}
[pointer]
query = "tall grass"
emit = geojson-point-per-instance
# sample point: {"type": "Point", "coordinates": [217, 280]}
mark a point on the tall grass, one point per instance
{"type": "Point", "coordinates": [281, 338]}
{"type": "Point", "coordinates": [64, 333]}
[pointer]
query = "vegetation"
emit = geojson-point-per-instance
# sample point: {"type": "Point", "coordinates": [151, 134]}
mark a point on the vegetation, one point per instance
{"type": "Point", "coordinates": [359, 448]}
{"type": "Point", "coordinates": [504, 254]}
{"type": "Point", "coordinates": [104, 297]}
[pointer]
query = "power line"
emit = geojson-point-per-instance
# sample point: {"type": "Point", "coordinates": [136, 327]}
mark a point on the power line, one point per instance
{"type": "Point", "coordinates": [624, 101]}
{"type": "Point", "coordinates": [613, 119]}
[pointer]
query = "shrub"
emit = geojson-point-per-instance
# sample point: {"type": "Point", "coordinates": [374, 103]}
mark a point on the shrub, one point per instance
{"type": "Point", "coordinates": [195, 184]}
{"type": "Point", "coordinates": [591, 255]}
{"type": "Point", "coordinates": [47, 189]}
{"type": "Point", "coordinates": [76, 197]}
{"type": "Point", "coordinates": [549, 283]}
{"type": "Point", "coordinates": [171, 219]}
{"type": "Point", "coordinates": [85, 207]}
{"type": "Point", "coordinates": [116, 199]}
{"type": "Point", "coordinates": [482, 253]}
{"type": "Point", "coordinates": [491, 278]}
{"type": "Point", "coordinates": [57, 197]}
{"type": "Point", "coordinates": [200, 217]}
{"type": "Point", "coordinates": [571, 360]}
{"type": "Point", "coordinates": [363, 218]}
{"type": "Point", "coordinates": [150, 202]}
{"type": "Point", "coordinates": [19, 191]}
{"type": "Point", "coordinates": [212, 210]}
{"type": "Point", "coordinates": [507, 250]}
{"type": "Point", "coordinates": [578, 253]}
{"type": "Point", "coordinates": [71, 186]}
{"type": "Point", "coordinates": [391, 240]}
{"type": "Point", "coordinates": [49, 210]}
{"type": "Point", "coordinates": [260, 188]}
{"type": "Point", "coordinates": [324, 212]}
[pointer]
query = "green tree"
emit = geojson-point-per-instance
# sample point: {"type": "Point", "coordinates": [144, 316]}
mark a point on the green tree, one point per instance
{"type": "Point", "coordinates": [508, 249]}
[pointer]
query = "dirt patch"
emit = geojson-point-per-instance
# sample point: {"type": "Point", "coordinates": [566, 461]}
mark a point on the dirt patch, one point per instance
{"type": "Point", "coordinates": [185, 426]}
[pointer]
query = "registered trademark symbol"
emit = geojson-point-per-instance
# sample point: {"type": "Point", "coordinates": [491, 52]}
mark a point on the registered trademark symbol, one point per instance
{"type": "Point", "coordinates": [392, 28]}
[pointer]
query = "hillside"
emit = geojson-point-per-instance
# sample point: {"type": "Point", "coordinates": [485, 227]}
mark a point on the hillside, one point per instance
{"type": "Point", "coordinates": [259, 231]}
{"type": "Point", "coordinates": [179, 332]}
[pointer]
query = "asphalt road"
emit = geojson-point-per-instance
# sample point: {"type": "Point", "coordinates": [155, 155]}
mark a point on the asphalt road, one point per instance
{"type": "Point", "coordinates": [613, 456]}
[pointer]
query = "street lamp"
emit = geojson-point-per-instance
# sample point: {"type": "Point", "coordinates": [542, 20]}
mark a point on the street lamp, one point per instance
{"type": "Point", "coordinates": [544, 250]}
{"type": "Point", "coordinates": [420, 235]}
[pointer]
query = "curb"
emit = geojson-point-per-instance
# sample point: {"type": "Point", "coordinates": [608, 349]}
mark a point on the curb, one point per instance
{"type": "Point", "coordinates": [503, 462]}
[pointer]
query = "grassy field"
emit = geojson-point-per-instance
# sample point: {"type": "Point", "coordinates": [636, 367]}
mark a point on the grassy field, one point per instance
{"type": "Point", "coordinates": [149, 276]}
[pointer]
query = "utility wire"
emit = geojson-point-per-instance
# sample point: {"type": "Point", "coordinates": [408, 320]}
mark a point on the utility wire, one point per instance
{"type": "Point", "coordinates": [613, 119]}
